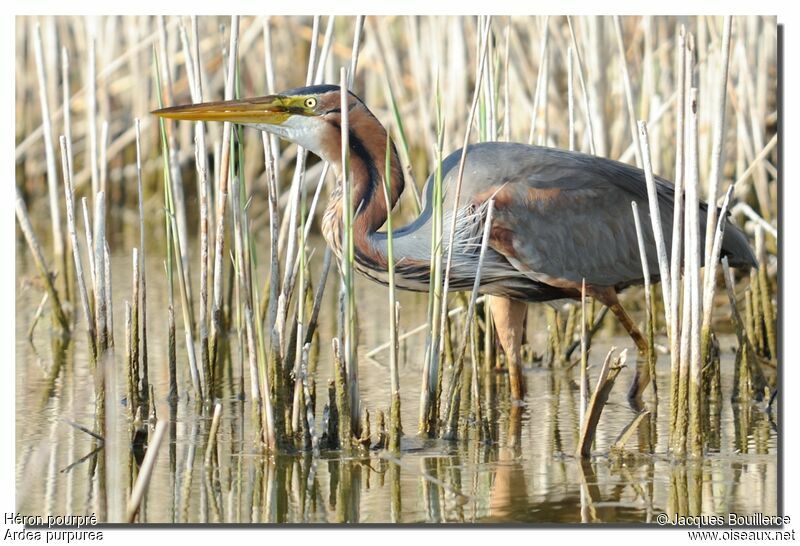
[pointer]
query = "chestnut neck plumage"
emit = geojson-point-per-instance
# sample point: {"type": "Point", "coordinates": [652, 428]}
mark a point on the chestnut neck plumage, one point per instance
{"type": "Point", "coordinates": [367, 155]}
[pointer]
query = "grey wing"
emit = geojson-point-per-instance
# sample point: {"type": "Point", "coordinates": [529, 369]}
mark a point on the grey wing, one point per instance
{"type": "Point", "coordinates": [561, 236]}
{"type": "Point", "coordinates": [562, 216]}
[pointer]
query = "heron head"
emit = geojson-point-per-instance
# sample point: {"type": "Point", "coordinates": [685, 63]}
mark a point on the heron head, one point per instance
{"type": "Point", "coordinates": [308, 116]}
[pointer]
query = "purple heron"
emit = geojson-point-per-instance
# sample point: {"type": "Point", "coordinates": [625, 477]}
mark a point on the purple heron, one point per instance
{"type": "Point", "coordinates": [560, 217]}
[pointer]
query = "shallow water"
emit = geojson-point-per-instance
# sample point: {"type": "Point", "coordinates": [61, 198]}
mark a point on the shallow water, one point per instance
{"type": "Point", "coordinates": [528, 477]}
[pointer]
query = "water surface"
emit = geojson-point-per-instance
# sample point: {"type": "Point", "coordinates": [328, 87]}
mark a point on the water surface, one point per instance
{"type": "Point", "coordinates": [526, 476]}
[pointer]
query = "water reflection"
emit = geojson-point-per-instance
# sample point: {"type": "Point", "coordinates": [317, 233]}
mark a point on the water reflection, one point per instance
{"type": "Point", "coordinates": [522, 470]}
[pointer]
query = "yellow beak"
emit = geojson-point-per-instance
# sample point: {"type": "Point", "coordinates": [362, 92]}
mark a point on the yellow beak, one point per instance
{"type": "Point", "coordinates": [270, 110]}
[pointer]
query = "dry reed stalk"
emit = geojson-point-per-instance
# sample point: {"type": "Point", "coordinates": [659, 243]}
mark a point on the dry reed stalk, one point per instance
{"type": "Point", "coordinates": [539, 77]}
{"type": "Point", "coordinates": [655, 221]}
{"type": "Point", "coordinates": [304, 227]}
{"type": "Point", "coordinates": [143, 279]}
{"type": "Point", "coordinates": [651, 355]}
{"type": "Point", "coordinates": [267, 417]}
{"type": "Point", "coordinates": [366, 432]}
{"type": "Point", "coordinates": [348, 260]}
{"type": "Point", "coordinates": [302, 259]}
{"type": "Point", "coordinates": [50, 158]}
{"type": "Point", "coordinates": [569, 330]}
{"type": "Point", "coordinates": [176, 180]}
{"type": "Point", "coordinates": [757, 313]}
{"type": "Point", "coordinates": [653, 122]}
{"type": "Point", "coordinates": [417, 330]}
{"type": "Point", "coordinates": [114, 452]}
{"type": "Point", "coordinates": [716, 151]}
{"type": "Point", "coordinates": [245, 290]}
{"type": "Point", "coordinates": [146, 471]}
{"type": "Point", "coordinates": [65, 106]}
{"type": "Point", "coordinates": [342, 398]}
{"type": "Point", "coordinates": [429, 382]}
{"type": "Point", "coordinates": [595, 327]}
{"type": "Point", "coordinates": [87, 229]}
{"type": "Point", "coordinates": [605, 382]}
{"type": "Point", "coordinates": [427, 125]}
{"type": "Point", "coordinates": [488, 81]}
{"type": "Point", "coordinates": [308, 402]}
{"type": "Point", "coordinates": [357, 34]}
{"type": "Point", "coordinates": [438, 342]}
{"type": "Point", "coordinates": [627, 432]}
{"type": "Point", "coordinates": [82, 94]}
{"type": "Point", "coordinates": [211, 446]}
{"type": "Point", "coordinates": [36, 316]}
{"type": "Point", "coordinates": [295, 265]}
{"type": "Point", "coordinates": [383, 440]}
{"type": "Point", "coordinates": [542, 139]}
{"type": "Point", "coordinates": [584, 377]}
{"type": "Point", "coordinates": [693, 278]}
{"type": "Point", "coordinates": [768, 314]}
{"type": "Point", "coordinates": [743, 333]}
{"type": "Point", "coordinates": [740, 328]}
{"type": "Point", "coordinates": [201, 163]}
{"type": "Point", "coordinates": [222, 197]}
{"type": "Point", "coordinates": [394, 414]}
{"type": "Point", "coordinates": [626, 82]}
{"type": "Point", "coordinates": [454, 394]}
{"type": "Point", "coordinates": [134, 336]}
{"type": "Point", "coordinates": [319, 74]}
{"type": "Point", "coordinates": [100, 300]}
{"type": "Point", "coordinates": [318, 294]}
{"type": "Point", "coordinates": [38, 259]}
{"type": "Point", "coordinates": [109, 295]}
{"type": "Point", "coordinates": [506, 86]}
{"type": "Point", "coordinates": [91, 111]}
{"type": "Point", "coordinates": [765, 151]}
{"type": "Point", "coordinates": [103, 160]}
{"type": "Point", "coordinates": [289, 229]}
{"type": "Point", "coordinates": [747, 210]}
{"type": "Point", "coordinates": [76, 249]}
{"type": "Point", "coordinates": [274, 268]}
{"type": "Point", "coordinates": [477, 411]}
{"type": "Point", "coordinates": [554, 337]}
{"type": "Point", "coordinates": [688, 163]}
{"type": "Point", "coordinates": [710, 281]}
{"type": "Point", "coordinates": [171, 355]}
{"type": "Point", "coordinates": [130, 368]}
{"type": "Point", "coordinates": [176, 243]}
{"type": "Point", "coordinates": [677, 236]}
{"type": "Point", "coordinates": [582, 81]}
{"type": "Point", "coordinates": [269, 373]}
{"type": "Point", "coordinates": [403, 151]}
{"type": "Point", "coordinates": [570, 100]}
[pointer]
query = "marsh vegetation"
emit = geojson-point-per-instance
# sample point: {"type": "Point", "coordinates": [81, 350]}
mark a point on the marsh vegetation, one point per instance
{"type": "Point", "coordinates": [188, 349]}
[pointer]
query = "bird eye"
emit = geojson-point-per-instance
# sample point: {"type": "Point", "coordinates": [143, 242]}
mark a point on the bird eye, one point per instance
{"type": "Point", "coordinates": [311, 102]}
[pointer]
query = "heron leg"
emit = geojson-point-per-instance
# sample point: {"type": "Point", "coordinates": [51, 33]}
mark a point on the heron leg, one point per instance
{"type": "Point", "coordinates": [509, 320]}
{"type": "Point", "coordinates": [641, 377]}
{"type": "Point", "coordinates": [608, 297]}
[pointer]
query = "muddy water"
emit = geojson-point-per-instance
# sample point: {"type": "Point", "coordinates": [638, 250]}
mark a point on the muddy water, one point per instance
{"type": "Point", "coordinates": [535, 479]}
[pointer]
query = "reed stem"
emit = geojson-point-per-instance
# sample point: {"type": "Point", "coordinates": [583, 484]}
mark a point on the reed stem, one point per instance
{"type": "Point", "coordinates": [76, 249]}
{"type": "Point", "coordinates": [41, 265]}
{"type": "Point", "coordinates": [145, 472]}
{"type": "Point", "coordinates": [50, 158]}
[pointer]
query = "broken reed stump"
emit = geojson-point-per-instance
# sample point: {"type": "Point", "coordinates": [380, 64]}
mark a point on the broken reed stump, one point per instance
{"type": "Point", "coordinates": [627, 432]}
{"type": "Point", "coordinates": [38, 258]}
{"type": "Point", "coordinates": [342, 398]}
{"type": "Point", "coordinates": [605, 382]}
{"type": "Point", "coordinates": [143, 480]}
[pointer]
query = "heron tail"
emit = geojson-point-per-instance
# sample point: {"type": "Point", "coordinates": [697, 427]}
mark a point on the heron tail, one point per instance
{"type": "Point", "coordinates": [736, 248]}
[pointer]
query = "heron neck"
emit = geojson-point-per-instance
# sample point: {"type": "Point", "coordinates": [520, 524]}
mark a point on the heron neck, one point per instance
{"type": "Point", "coordinates": [367, 174]}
